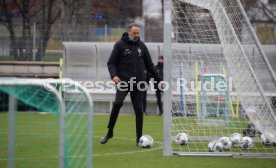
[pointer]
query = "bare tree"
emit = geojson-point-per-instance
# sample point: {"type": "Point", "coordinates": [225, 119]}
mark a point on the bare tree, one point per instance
{"type": "Point", "coordinates": [49, 13]}
{"type": "Point", "coordinates": [45, 13]}
{"type": "Point", "coordinates": [7, 21]}
{"type": "Point", "coordinates": [81, 13]}
{"type": "Point", "coordinates": [262, 12]}
{"type": "Point", "coordinates": [23, 50]}
{"type": "Point", "coordinates": [68, 18]}
{"type": "Point", "coordinates": [259, 11]}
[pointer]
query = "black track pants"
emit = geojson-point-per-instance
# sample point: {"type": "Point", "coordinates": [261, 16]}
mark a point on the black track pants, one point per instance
{"type": "Point", "coordinates": [137, 102]}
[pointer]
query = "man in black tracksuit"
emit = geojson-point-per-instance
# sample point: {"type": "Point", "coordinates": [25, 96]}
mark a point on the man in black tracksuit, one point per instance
{"type": "Point", "coordinates": [127, 64]}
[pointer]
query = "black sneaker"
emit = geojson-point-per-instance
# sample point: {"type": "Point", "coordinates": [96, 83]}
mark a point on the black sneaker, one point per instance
{"type": "Point", "coordinates": [105, 139]}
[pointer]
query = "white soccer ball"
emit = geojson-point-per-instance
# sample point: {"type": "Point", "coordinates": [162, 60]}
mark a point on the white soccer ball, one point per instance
{"type": "Point", "coordinates": [246, 143]}
{"type": "Point", "coordinates": [227, 144]}
{"type": "Point", "coordinates": [146, 141]}
{"type": "Point", "coordinates": [215, 146]}
{"type": "Point", "coordinates": [268, 139]}
{"type": "Point", "coordinates": [235, 139]}
{"type": "Point", "coordinates": [181, 138]}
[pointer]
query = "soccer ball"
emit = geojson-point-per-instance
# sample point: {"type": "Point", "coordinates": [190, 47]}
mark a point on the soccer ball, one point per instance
{"type": "Point", "coordinates": [146, 141]}
{"type": "Point", "coordinates": [215, 146]}
{"type": "Point", "coordinates": [235, 139]}
{"type": "Point", "coordinates": [227, 144]}
{"type": "Point", "coordinates": [268, 139]}
{"type": "Point", "coordinates": [250, 130]}
{"type": "Point", "coordinates": [246, 143]}
{"type": "Point", "coordinates": [181, 138]}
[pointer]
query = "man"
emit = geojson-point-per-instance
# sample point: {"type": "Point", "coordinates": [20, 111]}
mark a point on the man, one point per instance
{"type": "Point", "coordinates": [127, 64]}
{"type": "Point", "coordinates": [158, 92]}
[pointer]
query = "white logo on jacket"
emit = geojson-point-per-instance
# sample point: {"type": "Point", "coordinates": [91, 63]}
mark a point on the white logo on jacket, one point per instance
{"type": "Point", "coordinates": [127, 51]}
{"type": "Point", "coordinates": [140, 52]}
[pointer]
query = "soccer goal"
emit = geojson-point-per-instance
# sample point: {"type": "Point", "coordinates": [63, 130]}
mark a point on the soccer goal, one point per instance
{"type": "Point", "coordinates": [221, 83]}
{"type": "Point", "coordinates": [58, 130]}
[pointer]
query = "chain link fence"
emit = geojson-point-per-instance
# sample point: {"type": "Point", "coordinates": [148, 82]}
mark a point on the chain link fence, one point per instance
{"type": "Point", "coordinates": [41, 43]}
{"type": "Point", "coordinates": [36, 43]}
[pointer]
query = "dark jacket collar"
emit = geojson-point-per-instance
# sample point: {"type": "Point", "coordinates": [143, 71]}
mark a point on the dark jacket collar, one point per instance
{"type": "Point", "coordinates": [126, 39]}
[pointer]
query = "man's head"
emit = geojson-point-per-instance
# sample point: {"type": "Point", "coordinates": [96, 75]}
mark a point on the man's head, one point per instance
{"type": "Point", "coordinates": [133, 31]}
{"type": "Point", "coordinates": [160, 60]}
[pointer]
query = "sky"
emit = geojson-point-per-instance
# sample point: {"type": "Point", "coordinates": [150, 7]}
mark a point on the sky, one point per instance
{"type": "Point", "coordinates": [152, 8]}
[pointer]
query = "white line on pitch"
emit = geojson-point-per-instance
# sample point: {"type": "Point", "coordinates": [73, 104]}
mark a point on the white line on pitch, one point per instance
{"type": "Point", "coordinates": [106, 154]}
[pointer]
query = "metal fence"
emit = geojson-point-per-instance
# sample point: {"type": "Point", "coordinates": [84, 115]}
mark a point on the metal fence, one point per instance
{"type": "Point", "coordinates": [29, 43]}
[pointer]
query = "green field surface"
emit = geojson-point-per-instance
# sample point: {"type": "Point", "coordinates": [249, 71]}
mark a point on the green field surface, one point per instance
{"type": "Point", "coordinates": [37, 145]}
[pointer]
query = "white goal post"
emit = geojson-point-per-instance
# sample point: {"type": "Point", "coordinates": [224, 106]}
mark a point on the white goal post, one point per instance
{"type": "Point", "coordinates": [208, 44]}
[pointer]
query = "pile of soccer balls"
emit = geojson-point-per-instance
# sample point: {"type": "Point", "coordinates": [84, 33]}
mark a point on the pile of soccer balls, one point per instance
{"type": "Point", "coordinates": [234, 140]}
{"type": "Point", "coordinates": [217, 145]}
{"type": "Point", "coordinates": [221, 144]}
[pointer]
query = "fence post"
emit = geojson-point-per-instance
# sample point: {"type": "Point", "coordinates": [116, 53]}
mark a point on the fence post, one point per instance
{"type": "Point", "coordinates": [34, 40]}
{"type": "Point", "coordinates": [105, 33]}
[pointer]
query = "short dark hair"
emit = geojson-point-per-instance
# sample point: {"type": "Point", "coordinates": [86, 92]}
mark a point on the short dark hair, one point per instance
{"type": "Point", "coordinates": [161, 57]}
{"type": "Point", "coordinates": [132, 25]}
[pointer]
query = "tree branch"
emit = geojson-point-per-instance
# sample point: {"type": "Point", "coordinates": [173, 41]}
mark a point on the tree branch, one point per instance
{"type": "Point", "coordinates": [267, 12]}
{"type": "Point", "coordinates": [56, 17]}
{"type": "Point", "coordinates": [20, 8]}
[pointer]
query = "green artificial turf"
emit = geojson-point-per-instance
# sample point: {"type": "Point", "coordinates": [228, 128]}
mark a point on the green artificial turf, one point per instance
{"type": "Point", "coordinates": [37, 145]}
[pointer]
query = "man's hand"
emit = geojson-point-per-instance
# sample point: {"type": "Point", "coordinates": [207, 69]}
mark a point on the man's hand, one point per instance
{"type": "Point", "coordinates": [162, 84]}
{"type": "Point", "coordinates": [116, 79]}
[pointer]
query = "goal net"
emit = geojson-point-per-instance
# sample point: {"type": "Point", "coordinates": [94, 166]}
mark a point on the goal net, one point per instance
{"type": "Point", "coordinates": [55, 132]}
{"type": "Point", "coordinates": [221, 82]}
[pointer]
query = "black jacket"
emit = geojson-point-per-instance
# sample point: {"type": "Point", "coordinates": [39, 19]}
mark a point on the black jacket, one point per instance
{"type": "Point", "coordinates": [131, 59]}
{"type": "Point", "coordinates": [159, 68]}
